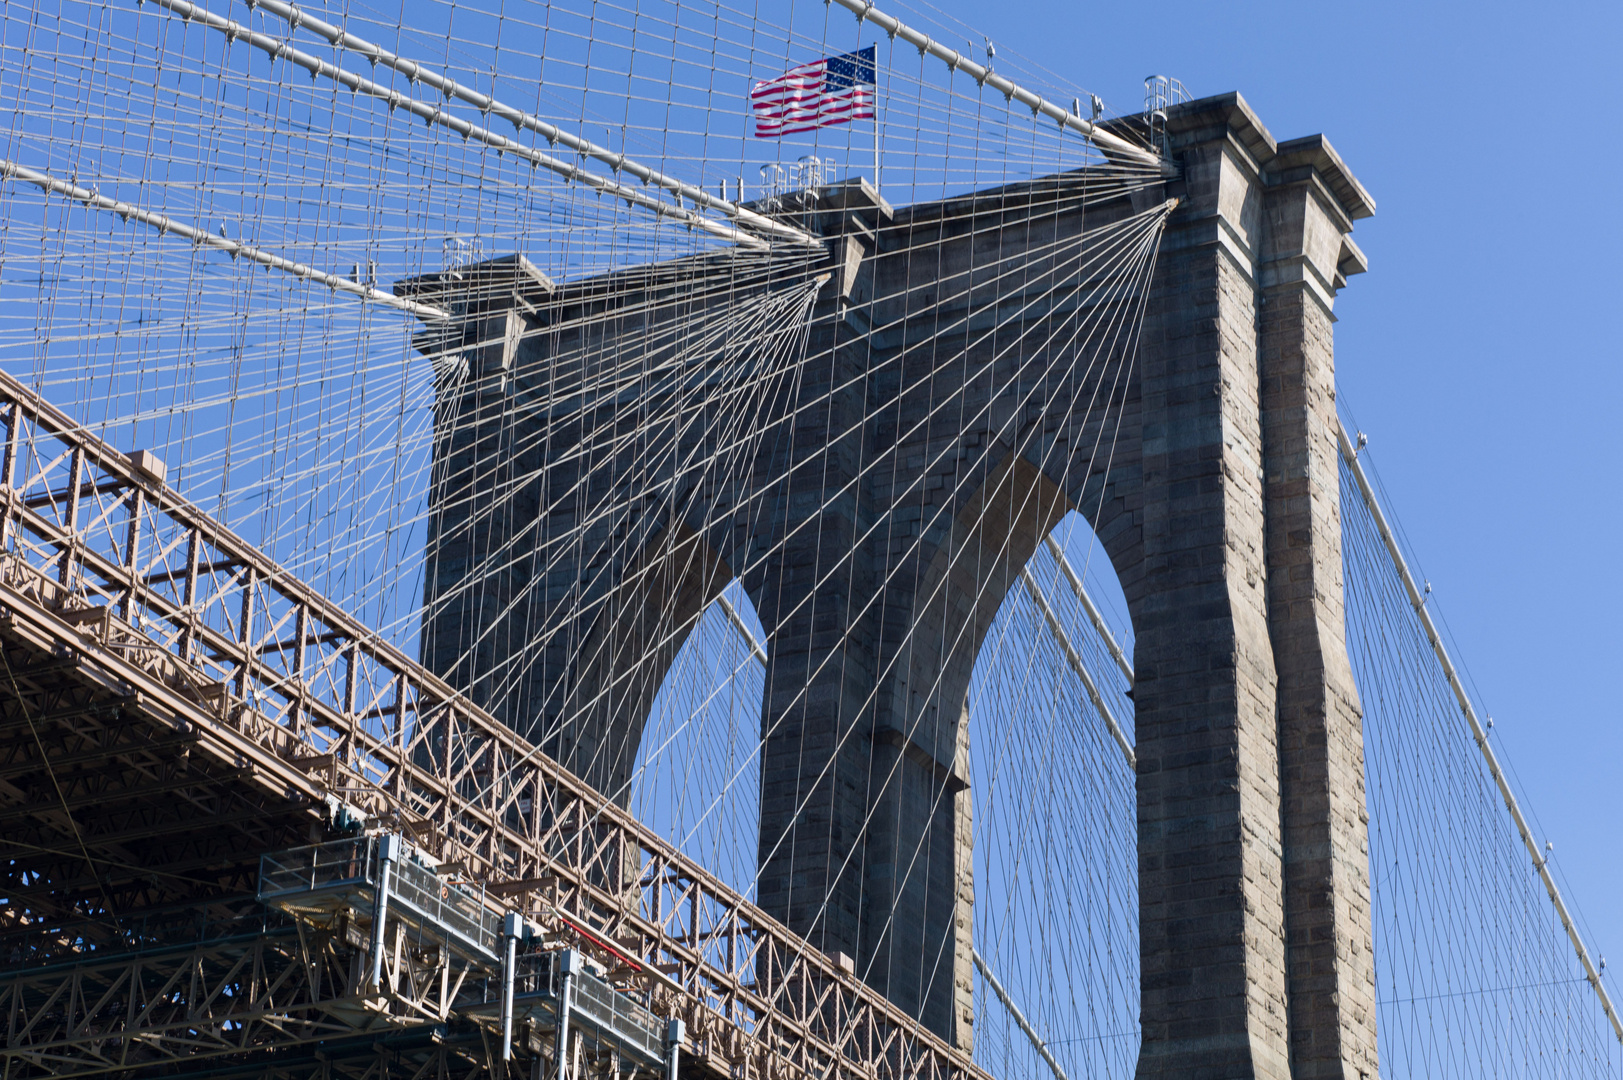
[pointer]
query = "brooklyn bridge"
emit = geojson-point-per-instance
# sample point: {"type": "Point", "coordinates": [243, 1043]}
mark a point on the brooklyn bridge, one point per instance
{"type": "Point", "coordinates": [669, 542]}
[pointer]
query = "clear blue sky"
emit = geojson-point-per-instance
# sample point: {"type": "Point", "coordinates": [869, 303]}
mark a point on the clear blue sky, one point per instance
{"type": "Point", "coordinates": [1481, 353]}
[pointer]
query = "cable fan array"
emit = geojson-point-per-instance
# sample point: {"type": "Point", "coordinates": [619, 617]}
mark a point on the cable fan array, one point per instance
{"type": "Point", "coordinates": [208, 208]}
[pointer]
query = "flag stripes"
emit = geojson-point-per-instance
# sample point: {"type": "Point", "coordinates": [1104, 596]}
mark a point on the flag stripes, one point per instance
{"type": "Point", "coordinates": [833, 90]}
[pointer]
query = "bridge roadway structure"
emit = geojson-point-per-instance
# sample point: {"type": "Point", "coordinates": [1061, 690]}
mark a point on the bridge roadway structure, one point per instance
{"type": "Point", "coordinates": [175, 707]}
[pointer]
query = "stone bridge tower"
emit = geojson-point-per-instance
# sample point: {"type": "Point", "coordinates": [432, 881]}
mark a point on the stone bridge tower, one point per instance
{"type": "Point", "coordinates": [574, 544]}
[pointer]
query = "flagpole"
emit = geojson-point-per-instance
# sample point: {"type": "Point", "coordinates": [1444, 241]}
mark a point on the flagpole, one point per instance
{"type": "Point", "coordinates": [876, 186]}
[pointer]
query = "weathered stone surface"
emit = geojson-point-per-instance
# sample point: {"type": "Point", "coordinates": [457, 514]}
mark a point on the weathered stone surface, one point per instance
{"type": "Point", "coordinates": [1326, 854]}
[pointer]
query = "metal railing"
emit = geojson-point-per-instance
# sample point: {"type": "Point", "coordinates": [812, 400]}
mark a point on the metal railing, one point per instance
{"type": "Point", "coordinates": [1161, 92]}
{"type": "Point", "coordinates": [100, 557]}
{"type": "Point", "coordinates": [614, 1017]}
{"type": "Point", "coordinates": [608, 1016]}
{"type": "Point", "coordinates": [346, 870]}
{"type": "Point", "coordinates": [338, 866]}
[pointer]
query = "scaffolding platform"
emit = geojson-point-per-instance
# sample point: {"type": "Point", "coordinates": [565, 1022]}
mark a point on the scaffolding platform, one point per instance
{"type": "Point", "coordinates": [608, 1018]}
{"type": "Point", "coordinates": [373, 877]}
{"type": "Point", "coordinates": [324, 879]}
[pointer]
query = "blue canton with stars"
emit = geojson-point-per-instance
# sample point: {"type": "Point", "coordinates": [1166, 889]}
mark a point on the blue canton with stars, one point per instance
{"type": "Point", "coordinates": [850, 69]}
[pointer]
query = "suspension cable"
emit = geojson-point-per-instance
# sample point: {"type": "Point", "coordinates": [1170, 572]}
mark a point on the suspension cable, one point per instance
{"type": "Point", "coordinates": [1417, 601]}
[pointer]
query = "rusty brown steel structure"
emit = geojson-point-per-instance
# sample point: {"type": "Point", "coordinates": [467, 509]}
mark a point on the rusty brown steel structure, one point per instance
{"type": "Point", "coordinates": [173, 704]}
{"type": "Point", "coordinates": [183, 1003]}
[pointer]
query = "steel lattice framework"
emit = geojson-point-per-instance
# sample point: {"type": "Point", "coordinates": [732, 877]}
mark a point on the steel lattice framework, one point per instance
{"type": "Point", "coordinates": [177, 704]}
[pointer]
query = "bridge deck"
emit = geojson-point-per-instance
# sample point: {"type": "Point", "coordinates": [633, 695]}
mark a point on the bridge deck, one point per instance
{"type": "Point", "coordinates": [173, 704]}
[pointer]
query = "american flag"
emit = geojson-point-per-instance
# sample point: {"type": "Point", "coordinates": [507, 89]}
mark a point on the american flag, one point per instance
{"type": "Point", "coordinates": [833, 90]}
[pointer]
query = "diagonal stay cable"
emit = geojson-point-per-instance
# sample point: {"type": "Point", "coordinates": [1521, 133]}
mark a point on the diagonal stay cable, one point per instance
{"type": "Point", "coordinates": [166, 224]}
{"type": "Point", "coordinates": [757, 223]}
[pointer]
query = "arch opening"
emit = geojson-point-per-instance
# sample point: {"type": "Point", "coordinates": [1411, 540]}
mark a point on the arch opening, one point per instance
{"type": "Point", "coordinates": [1054, 863]}
{"type": "Point", "coordinates": [696, 778]}
{"type": "Point", "coordinates": [970, 653]}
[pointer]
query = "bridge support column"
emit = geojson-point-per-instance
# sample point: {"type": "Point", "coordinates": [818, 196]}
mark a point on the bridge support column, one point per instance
{"type": "Point", "coordinates": [820, 679]}
{"type": "Point", "coordinates": [1211, 904]}
{"type": "Point", "coordinates": [1253, 889]}
{"type": "Point", "coordinates": [1305, 254]}
{"type": "Point", "coordinates": [902, 533]}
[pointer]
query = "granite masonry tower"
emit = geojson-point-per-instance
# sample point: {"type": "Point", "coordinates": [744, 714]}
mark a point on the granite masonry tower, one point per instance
{"type": "Point", "coordinates": [877, 534]}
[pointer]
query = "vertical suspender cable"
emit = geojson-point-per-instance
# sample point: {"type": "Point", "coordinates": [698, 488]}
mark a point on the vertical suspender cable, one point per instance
{"type": "Point", "coordinates": [1417, 601]}
{"type": "Point", "coordinates": [743, 216]}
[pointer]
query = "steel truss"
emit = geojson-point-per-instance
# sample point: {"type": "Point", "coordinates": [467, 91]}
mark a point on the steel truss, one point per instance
{"type": "Point", "coordinates": [173, 704]}
{"type": "Point", "coordinates": [261, 1000]}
